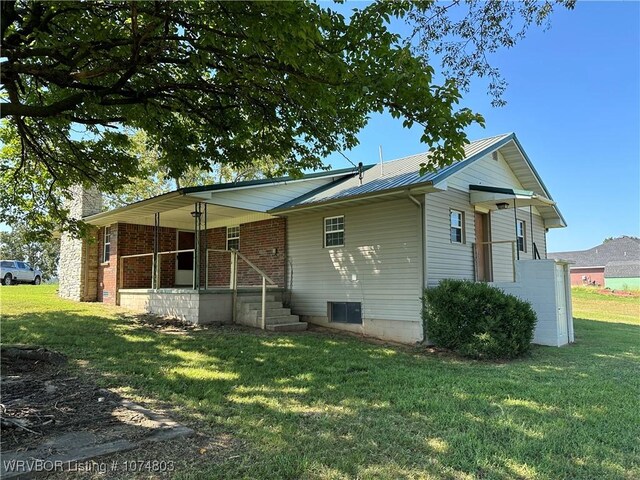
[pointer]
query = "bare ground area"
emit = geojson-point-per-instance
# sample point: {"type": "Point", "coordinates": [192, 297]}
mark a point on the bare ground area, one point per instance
{"type": "Point", "coordinates": [61, 417]}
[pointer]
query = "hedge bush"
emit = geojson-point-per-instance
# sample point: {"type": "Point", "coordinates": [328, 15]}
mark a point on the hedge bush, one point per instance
{"type": "Point", "coordinates": [477, 320]}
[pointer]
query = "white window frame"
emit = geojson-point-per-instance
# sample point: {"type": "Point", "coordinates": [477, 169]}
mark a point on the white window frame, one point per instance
{"type": "Point", "coordinates": [233, 233]}
{"type": "Point", "coordinates": [521, 234]}
{"type": "Point", "coordinates": [106, 241]}
{"type": "Point", "coordinates": [460, 227]}
{"type": "Point", "coordinates": [333, 230]}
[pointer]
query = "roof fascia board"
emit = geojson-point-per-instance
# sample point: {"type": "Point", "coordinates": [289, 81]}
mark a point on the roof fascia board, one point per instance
{"type": "Point", "coordinates": [537, 175]}
{"type": "Point", "coordinates": [496, 146]}
{"type": "Point", "coordinates": [141, 203]}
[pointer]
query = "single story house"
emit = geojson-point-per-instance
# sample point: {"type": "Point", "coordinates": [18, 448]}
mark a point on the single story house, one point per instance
{"type": "Point", "coordinates": [613, 264]}
{"type": "Point", "coordinates": [350, 249]}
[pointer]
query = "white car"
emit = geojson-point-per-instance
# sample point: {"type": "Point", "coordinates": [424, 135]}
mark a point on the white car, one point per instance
{"type": "Point", "coordinates": [13, 272]}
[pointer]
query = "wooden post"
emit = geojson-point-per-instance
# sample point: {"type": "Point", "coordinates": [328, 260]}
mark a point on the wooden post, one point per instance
{"type": "Point", "coordinates": [120, 279]}
{"type": "Point", "coordinates": [514, 247]}
{"type": "Point", "coordinates": [515, 216]}
{"type": "Point", "coordinates": [234, 285]}
{"type": "Point", "coordinates": [197, 219]}
{"type": "Point", "coordinates": [474, 248]}
{"type": "Point", "coordinates": [206, 270]}
{"type": "Point", "coordinates": [206, 249]}
{"type": "Point", "coordinates": [158, 269]}
{"type": "Point", "coordinates": [156, 247]}
{"type": "Point", "coordinates": [264, 303]}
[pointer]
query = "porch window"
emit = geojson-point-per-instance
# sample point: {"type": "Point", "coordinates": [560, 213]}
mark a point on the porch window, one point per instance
{"type": "Point", "coordinates": [233, 238]}
{"type": "Point", "coordinates": [334, 231]}
{"type": "Point", "coordinates": [521, 231]}
{"type": "Point", "coordinates": [457, 226]}
{"type": "Point", "coordinates": [106, 250]}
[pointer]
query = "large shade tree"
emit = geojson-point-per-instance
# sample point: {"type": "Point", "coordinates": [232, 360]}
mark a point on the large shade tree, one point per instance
{"type": "Point", "coordinates": [152, 180]}
{"type": "Point", "coordinates": [223, 83]}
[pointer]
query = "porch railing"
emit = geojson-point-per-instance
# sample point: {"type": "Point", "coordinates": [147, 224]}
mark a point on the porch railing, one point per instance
{"type": "Point", "coordinates": [121, 266]}
{"type": "Point", "coordinates": [235, 255]}
{"type": "Point", "coordinates": [476, 246]}
{"type": "Point", "coordinates": [168, 252]}
{"type": "Point", "coordinates": [155, 267]}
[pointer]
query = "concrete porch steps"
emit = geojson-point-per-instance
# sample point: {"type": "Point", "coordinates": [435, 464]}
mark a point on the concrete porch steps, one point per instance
{"type": "Point", "coordinates": [288, 327]}
{"type": "Point", "coordinates": [278, 318]}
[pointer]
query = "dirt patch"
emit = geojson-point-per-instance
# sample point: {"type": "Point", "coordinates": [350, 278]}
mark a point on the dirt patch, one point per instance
{"type": "Point", "coordinates": [40, 400]}
{"type": "Point", "coordinates": [162, 324]}
{"type": "Point", "coordinates": [58, 415]}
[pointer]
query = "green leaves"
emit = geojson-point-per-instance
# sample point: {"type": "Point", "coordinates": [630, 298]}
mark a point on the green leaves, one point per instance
{"type": "Point", "coordinates": [461, 35]}
{"type": "Point", "coordinates": [477, 320]}
{"type": "Point", "coordinates": [213, 85]}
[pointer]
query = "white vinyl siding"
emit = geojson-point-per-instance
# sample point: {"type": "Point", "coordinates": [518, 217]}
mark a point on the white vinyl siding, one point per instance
{"type": "Point", "coordinates": [485, 171]}
{"type": "Point", "coordinates": [503, 228]}
{"type": "Point", "coordinates": [379, 266]}
{"type": "Point", "coordinates": [445, 259]}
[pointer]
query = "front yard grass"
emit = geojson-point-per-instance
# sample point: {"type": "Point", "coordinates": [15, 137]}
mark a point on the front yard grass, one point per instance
{"type": "Point", "coordinates": [589, 303]}
{"type": "Point", "coordinates": [320, 406]}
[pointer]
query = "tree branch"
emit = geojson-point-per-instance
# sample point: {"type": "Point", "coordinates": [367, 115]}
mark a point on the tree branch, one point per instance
{"type": "Point", "coordinates": [21, 110]}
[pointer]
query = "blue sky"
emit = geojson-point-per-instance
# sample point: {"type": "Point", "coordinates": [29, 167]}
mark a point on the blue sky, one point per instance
{"type": "Point", "coordinates": [574, 103]}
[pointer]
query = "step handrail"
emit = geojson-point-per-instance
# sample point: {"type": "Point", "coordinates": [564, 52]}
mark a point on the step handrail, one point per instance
{"type": "Point", "coordinates": [265, 279]}
{"type": "Point", "coordinates": [234, 281]}
{"type": "Point", "coordinates": [475, 245]}
{"type": "Point", "coordinates": [264, 275]}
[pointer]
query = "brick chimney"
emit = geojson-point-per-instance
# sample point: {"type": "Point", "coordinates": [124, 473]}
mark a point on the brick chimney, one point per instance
{"type": "Point", "coordinates": [78, 270]}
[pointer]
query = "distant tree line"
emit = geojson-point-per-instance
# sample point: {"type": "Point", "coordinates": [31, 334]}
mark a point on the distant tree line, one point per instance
{"type": "Point", "coordinates": [42, 253]}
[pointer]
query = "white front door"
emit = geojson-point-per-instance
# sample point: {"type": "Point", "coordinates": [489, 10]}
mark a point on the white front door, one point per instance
{"type": "Point", "coordinates": [184, 261]}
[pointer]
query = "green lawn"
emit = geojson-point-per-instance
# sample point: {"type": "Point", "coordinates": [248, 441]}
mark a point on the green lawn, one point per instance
{"type": "Point", "coordinates": [588, 303]}
{"type": "Point", "coordinates": [319, 406]}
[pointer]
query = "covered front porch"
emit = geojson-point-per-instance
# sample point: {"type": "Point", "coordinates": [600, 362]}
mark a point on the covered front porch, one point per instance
{"type": "Point", "coordinates": [195, 259]}
{"type": "Point", "coordinates": [493, 250]}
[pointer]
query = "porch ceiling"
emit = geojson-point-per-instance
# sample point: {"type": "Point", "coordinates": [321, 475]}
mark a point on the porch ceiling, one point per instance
{"type": "Point", "coordinates": [175, 212]}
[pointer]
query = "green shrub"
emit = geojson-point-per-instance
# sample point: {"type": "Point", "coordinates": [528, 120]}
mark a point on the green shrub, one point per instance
{"type": "Point", "coordinates": [477, 320]}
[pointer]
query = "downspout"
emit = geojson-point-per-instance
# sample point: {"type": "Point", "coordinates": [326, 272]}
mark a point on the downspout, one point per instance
{"type": "Point", "coordinates": [515, 217]}
{"type": "Point", "coordinates": [421, 206]}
